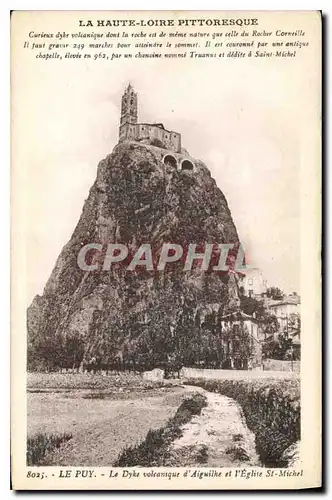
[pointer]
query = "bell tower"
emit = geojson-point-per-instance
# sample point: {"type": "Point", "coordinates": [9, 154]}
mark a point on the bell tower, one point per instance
{"type": "Point", "coordinates": [128, 114]}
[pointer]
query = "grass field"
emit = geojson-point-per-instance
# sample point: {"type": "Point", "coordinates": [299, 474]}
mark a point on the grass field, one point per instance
{"type": "Point", "coordinates": [103, 414]}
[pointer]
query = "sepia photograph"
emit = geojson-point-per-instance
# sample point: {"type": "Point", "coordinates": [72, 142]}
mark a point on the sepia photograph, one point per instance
{"type": "Point", "coordinates": [167, 307]}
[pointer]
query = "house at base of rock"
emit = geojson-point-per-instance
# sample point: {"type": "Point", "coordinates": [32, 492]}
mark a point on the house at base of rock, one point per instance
{"type": "Point", "coordinates": [253, 283]}
{"type": "Point", "coordinates": [233, 344]}
{"type": "Point", "coordinates": [287, 311]}
{"type": "Point", "coordinates": [155, 133]}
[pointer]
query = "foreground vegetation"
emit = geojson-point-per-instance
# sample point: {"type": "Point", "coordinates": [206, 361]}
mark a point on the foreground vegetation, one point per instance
{"type": "Point", "coordinates": [154, 450]}
{"type": "Point", "coordinates": [271, 407]}
{"type": "Point", "coordinates": [40, 446]}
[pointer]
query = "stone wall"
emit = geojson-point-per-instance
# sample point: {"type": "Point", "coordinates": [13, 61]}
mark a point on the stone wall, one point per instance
{"type": "Point", "coordinates": [156, 375]}
{"type": "Point", "coordinates": [143, 131]}
{"type": "Point", "coordinates": [281, 365]}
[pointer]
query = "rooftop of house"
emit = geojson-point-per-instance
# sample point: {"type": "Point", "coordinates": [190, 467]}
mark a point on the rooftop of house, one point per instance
{"type": "Point", "coordinates": [238, 316]}
{"type": "Point", "coordinates": [287, 299]}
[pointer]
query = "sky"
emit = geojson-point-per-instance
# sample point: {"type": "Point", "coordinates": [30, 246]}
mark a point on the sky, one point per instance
{"type": "Point", "coordinates": [245, 120]}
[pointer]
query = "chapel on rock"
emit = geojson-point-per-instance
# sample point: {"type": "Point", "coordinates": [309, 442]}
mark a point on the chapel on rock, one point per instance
{"type": "Point", "coordinates": [155, 133]}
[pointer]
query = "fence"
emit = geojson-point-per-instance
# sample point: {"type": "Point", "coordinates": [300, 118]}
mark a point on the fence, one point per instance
{"type": "Point", "coordinates": [207, 374]}
{"type": "Point", "coordinates": [279, 365]}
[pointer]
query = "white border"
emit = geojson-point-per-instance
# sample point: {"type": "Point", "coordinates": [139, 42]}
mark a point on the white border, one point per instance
{"type": "Point", "coordinates": [326, 7]}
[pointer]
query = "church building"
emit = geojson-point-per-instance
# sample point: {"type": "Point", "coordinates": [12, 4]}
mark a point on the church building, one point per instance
{"type": "Point", "coordinates": [154, 133]}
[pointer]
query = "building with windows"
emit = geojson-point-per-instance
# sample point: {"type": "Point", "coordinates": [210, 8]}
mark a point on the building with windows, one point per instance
{"type": "Point", "coordinates": [283, 308]}
{"type": "Point", "coordinates": [253, 283]}
{"type": "Point", "coordinates": [238, 324]}
{"type": "Point", "coordinates": [287, 312]}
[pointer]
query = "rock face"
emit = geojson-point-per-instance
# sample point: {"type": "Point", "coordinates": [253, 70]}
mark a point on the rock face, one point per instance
{"type": "Point", "coordinates": [106, 317]}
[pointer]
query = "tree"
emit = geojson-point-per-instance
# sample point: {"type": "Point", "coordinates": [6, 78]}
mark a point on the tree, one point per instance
{"type": "Point", "coordinates": [274, 293]}
{"type": "Point", "coordinates": [294, 325]}
{"type": "Point", "coordinates": [277, 349]}
{"type": "Point", "coordinates": [269, 324]}
{"type": "Point", "coordinates": [44, 353]}
{"type": "Point", "coordinates": [250, 305]}
{"type": "Point", "coordinates": [237, 335]}
{"type": "Point", "coordinates": [72, 350]}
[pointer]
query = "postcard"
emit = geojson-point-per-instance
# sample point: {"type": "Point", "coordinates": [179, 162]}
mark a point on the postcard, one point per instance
{"type": "Point", "coordinates": [166, 234]}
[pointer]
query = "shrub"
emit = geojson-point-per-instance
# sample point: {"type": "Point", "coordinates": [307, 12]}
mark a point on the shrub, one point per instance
{"type": "Point", "coordinates": [238, 453]}
{"type": "Point", "coordinates": [271, 408]}
{"type": "Point", "coordinates": [39, 447]}
{"type": "Point", "coordinates": [202, 454]}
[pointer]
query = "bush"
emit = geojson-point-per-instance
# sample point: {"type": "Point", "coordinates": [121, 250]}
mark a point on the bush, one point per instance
{"type": "Point", "coordinates": [39, 447]}
{"type": "Point", "coordinates": [271, 408]}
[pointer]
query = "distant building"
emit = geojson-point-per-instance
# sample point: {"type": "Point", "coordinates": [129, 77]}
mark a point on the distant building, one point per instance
{"type": "Point", "coordinates": [283, 308]}
{"type": "Point", "coordinates": [231, 344]}
{"type": "Point", "coordinates": [286, 311]}
{"type": "Point", "coordinates": [130, 129]}
{"type": "Point", "coordinates": [253, 283]}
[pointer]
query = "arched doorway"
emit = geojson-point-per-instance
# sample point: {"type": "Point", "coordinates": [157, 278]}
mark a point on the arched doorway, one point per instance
{"type": "Point", "coordinates": [187, 165]}
{"type": "Point", "coordinates": [170, 160]}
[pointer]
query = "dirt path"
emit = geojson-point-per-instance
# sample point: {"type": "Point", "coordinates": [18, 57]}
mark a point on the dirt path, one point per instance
{"type": "Point", "coordinates": [219, 437]}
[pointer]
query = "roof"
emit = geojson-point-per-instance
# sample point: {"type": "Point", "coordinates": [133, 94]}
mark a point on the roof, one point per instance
{"type": "Point", "coordinates": [290, 299]}
{"type": "Point", "coordinates": [129, 88]}
{"type": "Point", "coordinates": [252, 270]}
{"type": "Point", "coordinates": [159, 125]}
{"type": "Point", "coordinates": [239, 315]}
